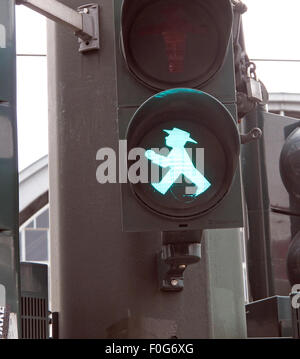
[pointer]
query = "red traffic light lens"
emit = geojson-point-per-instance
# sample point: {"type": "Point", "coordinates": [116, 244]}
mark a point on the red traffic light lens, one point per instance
{"type": "Point", "coordinates": [175, 42]}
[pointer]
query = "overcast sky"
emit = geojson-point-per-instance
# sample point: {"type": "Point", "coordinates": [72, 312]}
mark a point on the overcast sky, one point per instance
{"type": "Point", "coordinates": [272, 29]}
{"type": "Point", "coordinates": [31, 86]}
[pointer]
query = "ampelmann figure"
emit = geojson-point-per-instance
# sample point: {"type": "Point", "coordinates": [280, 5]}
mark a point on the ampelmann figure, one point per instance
{"type": "Point", "coordinates": [179, 162]}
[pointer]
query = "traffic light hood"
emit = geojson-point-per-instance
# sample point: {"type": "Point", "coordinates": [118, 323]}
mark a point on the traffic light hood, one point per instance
{"type": "Point", "coordinates": [175, 43]}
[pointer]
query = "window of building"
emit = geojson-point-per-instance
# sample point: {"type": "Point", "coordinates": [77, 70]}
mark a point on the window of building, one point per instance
{"type": "Point", "coordinates": [34, 238]}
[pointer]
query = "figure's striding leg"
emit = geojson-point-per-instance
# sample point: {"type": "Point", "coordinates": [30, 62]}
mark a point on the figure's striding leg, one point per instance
{"type": "Point", "coordinates": [199, 180]}
{"type": "Point", "coordinates": [167, 182]}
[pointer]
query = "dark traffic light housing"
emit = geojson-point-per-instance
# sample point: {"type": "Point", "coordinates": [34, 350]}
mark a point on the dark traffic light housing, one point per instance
{"type": "Point", "coordinates": [175, 77]}
{"type": "Point", "coordinates": [272, 191]}
{"type": "Point", "coordinates": [290, 163]}
{"type": "Point", "coordinates": [290, 175]}
{"type": "Point", "coordinates": [8, 124]}
{"type": "Point", "coordinates": [202, 116]}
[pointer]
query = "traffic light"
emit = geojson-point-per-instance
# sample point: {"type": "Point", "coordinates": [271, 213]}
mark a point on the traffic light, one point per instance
{"type": "Point", "coordinates": [176, 103]}
{"type": "Point", "coordinates": [274, 219]}
{"type": "Point", "coordinates": [8, 147]}
{"type": "Point", "coordinates": [9, 211]}
{"type": "Point", "coordinates": [124, 263]}
{"type": "Point", "coordinates": [290, 175]}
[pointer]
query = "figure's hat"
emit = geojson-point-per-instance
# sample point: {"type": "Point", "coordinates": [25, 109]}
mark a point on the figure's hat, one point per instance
{"type": "Point", "coordinates": [176, 132]}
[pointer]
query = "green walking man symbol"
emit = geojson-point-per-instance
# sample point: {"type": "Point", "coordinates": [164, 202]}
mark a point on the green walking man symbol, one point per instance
{"type": "Point", "coordinates": [179, 163]}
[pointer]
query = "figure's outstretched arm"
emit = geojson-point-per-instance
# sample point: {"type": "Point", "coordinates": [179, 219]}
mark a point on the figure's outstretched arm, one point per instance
{"type": "Point", "coordinates": [159, 160]}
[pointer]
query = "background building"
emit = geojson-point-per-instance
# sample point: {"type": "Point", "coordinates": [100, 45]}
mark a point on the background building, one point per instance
{"type": "Point", "coordinates": [285, 104]}
{"type": "Point", "coordinates": [34, 212]}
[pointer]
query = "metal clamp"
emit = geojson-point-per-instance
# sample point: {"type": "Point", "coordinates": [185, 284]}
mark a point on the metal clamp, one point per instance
{"type": "Point", "coordinates": [173, 261]}
{"type": "Point", "coordinates": [254, 135]}
{"type": "Point", "coordinates": [239, 6]}
{"type": "Point", "coordinates": [90, 25]}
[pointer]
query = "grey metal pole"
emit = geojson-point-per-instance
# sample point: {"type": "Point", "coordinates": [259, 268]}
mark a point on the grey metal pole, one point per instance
{"type": "Point", "coordinates": [104, 281]}
{"type": "Point", "coordinates": [258, 205]}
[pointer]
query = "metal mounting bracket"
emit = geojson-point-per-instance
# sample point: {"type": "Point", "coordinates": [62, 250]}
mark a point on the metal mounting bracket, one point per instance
{"type": "Point", "coordinates": [84, 22]}
{"type": "Point", "coordinates": [173, 261]}
{"type": "Point", "coordinates": [90, 18]}
{"type": "Point", "coordinates": [254, 135]}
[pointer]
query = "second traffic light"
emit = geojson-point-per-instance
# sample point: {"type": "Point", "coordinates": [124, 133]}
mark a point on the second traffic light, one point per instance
{"type": "Point", "coordinates": [272, 198]}
{"type": "Point", "coordinates": [176, 101]}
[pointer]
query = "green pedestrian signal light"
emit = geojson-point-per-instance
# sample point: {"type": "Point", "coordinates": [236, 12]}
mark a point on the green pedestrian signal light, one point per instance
{"type": "Point", "coordinates": [179, 163]}
{"type": "Point", "coordinates": [192, 141]}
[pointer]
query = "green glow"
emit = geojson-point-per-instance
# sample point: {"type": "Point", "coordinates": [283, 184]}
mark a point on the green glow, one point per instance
{"type": "Point", "coordinates": [179, 163]}
{"type": "Point", "coordinates": [177, 91]}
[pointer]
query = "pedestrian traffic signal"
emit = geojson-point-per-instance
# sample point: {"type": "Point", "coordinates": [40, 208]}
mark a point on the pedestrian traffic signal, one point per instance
{"type": "Point", "coordinates": [290, 174]}
{"type": "Point", "coordinates": [176, 103]}
{"type": "Point", "coordinates": [8, 144]}
{"type": "Point", "coordinates": [189, 185]}
{"type": "Point", "coordinates": [290, 163]}
{"type": "Point", "coordinates": [273, 203]}
{"type": "Point", "coordinates": [9, 208]}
